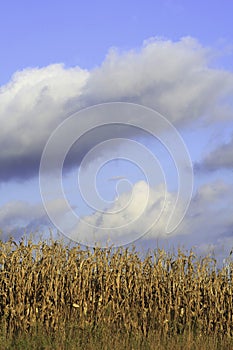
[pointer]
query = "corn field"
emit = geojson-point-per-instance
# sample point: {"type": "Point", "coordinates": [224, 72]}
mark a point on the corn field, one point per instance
{"type": "Point", "coordinates": [52, 285]}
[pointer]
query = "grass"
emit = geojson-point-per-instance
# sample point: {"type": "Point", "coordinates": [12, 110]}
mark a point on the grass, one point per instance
{"type": "Point", "coordinates": [106, 339]}
{"type": "Point", "coordinates": [54, 296]}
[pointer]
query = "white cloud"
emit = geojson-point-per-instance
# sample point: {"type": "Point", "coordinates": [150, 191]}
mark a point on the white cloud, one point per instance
{"type": "Point", "coordinates": [208, 222]}
{"type": "Point", "coordinates": [129, 218]}
{"type": "Point", "coordinates": [208, 218]}
{"type": "Point", "coordinates": [175, 78]}
{"type": "Point", "coordinates": [172, 77]}
{"type": "Point", "coordinates": [32, 105]}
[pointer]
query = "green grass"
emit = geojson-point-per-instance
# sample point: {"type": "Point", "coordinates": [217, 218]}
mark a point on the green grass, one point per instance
{"type": "Point", "coordinates": [107, 338]}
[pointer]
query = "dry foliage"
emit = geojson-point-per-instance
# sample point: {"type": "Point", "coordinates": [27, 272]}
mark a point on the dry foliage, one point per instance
{"type": "Point", "coordinates": [54, 285]}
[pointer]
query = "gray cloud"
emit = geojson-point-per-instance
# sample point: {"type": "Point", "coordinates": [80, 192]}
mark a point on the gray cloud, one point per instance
{"type": "Point", "coordinates": [220, 158]}
{"type": "Point", "coordinates": [173, 77]}
{"type": "Point", "coordinates": [19, 217]}
{"type": "Point", "coordinates": [208, 223]}
{"type": "Point", "coordinates": [210, 212]}
{"type": "Point", "coordinates": [32, 105]}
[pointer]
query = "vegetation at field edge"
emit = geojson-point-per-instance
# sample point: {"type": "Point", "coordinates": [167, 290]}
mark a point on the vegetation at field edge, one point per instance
{"type": "Point", "coordinates": [55, 296]}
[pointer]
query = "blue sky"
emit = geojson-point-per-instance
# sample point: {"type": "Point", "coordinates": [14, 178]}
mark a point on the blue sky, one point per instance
{"type": "Point", "coordinates": [81, 33]}
{"type": "Point", "coordinates": [173, 56]}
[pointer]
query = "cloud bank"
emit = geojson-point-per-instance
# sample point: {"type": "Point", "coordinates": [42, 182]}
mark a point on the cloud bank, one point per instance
{"type": "Point", "coordinates": [175, 78]}
{"type": "Point", "coordinates": [208, 221]}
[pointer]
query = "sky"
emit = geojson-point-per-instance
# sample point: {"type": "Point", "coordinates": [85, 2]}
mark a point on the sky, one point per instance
{"type": "Point", "coordinates": [159, 147]}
